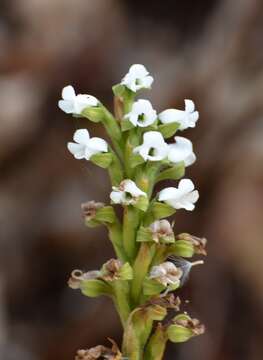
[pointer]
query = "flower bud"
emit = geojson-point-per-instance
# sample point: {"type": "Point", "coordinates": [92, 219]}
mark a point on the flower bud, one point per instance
{"type": "Point", "coordinates": [183, 328]}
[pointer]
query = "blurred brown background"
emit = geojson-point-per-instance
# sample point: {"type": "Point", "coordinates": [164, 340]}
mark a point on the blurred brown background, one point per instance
{"type": "Point", "coordinates": [209, 51]}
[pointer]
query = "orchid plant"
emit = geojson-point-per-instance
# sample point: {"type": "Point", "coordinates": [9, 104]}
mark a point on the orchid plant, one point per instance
{"type": "Point", "coordinates": [151, 260]}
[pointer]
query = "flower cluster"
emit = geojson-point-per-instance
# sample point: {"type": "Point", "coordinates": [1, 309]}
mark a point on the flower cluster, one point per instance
{"type": "Point", "coordinates": [151, 261]}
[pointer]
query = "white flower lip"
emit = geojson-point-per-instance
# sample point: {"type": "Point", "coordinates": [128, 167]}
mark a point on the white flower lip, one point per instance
{"type": "Point", "coordinates": [137, 78]}
{"type": "Point", "coordinates": [84, 146]}
{"type": "Point", "coordinates": [75, 104]}
{"type": "Point", "coordinates": [181, 150]}
{"type": "Point", "coordinates": [127, 193]}
{"type": "Point", "coordinates": [142, 113]}
{"type": "Point", "coordinates": [186, 118]}
{"type": "Point", "coordinates": [154, 148]}
{"type": "Point", "coordinates": [183, 197]}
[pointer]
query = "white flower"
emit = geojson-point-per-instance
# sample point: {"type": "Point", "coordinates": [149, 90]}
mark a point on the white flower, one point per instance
{"type": "Point", "coordinates": [75, 104]}
{"type": "Point", "coordinates": [127, 193]}
{"type": "Point", "coordinates": [166, 273]}
{"type": "Point", "coordinates": [142, 113]}
{"type": "Point", "coordinates": [181, 150]}
{"type": "Point", "coordinates": [186, 118]}
{"type": "Point", "coordinates": [84, 146]}
{"type": "Point", "coordinates": [154, 148]}
{"type": "Point", "coordinates": [137, 78]}
{"type": "Point", "coordinates": [183, 197]}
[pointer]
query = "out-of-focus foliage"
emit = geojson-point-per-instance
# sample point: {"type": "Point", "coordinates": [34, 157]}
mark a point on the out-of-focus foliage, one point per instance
{"type": "Point", "coordinates": [207, 50]}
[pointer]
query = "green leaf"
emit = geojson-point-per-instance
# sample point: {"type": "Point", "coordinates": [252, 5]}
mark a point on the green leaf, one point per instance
{"type": "Point", "coordinates": [168, 130]}
{"type": "Point", "coordinates": [102, 159]}
{"type": "Point", "coordinates": [162, 210]}
{"type": "Point", "coordinates": [174, 173]}
{"type": "Point", "coordinates": [95, 287]}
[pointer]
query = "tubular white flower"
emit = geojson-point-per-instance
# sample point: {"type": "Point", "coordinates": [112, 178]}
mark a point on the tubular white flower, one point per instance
{"type": "Point", "coordinates": [186, 118]}
{"type": "Point", "coordinates": [166, 273]}
{"type": "Point", "coordinates": [181, 150]}
{"type": "Point", "coordinates": [137, 78]}
{"type": "Point", "coordinates": [75, 104]}
{"type": "Point", "coordinates": [154, 148]}
{"type": "Point", "coordinates": [142, 113]}
{"type": "Point", "coordinates": [127, 193]}
{"type": "Point", "coordinates": [183, 197]}
{"type": "Point", "coordinates": [84, 146]}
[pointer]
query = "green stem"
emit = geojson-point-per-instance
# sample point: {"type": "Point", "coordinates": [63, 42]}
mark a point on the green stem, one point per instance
{"type": "Point", "coordinates": [130, 226]}
{"type": "Point", "coordinates": [121, 290]}
{"type": "Point", "coordinates": [115, 235]}
{"type": "Point", "coordinates": [156, 345]}
{"type": "Point", "coordinates": [115, 170]}
{"type": "Point", "coordinates": [113, 129]}
{"type": "Point", "coordinates": [140, 269]}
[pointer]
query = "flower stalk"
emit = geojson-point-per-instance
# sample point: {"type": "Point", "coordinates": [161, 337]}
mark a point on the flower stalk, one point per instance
{"type": "Point", "coordinates": [150, 262]}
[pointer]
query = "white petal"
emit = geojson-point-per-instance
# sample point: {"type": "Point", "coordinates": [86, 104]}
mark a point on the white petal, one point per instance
{"type": "Point", "coordinates": [77, 150]}
{"type": "Point", "coordinates": [138, 71]}
{"type": "Point", "coordinates": [66, 106]}
{"type": "Point", "coordinates": [83, 101]}
{"type": "Point", "coordinates": [147, 82]}
{"type": "Point", "coordinates": [81, 136]}
{"type": "Point", "coordinates": [117, 197]}
{"type": "Point", "coordinates": [190, 159]}
{"type": "Point", "coordinates": [189, 106]}
{"type": "Point", "coordinates": [171, 115]}
{"type": "Point", "coordinates": [186, 185]}
{"type": "Point", "coordinates": [181, 150]}
{"type": "Point", "coordinates": [168, 194]}
{"type": "Point", "coordinates": [98, 145]}
{"type": "Point", "coordinates": [68, 93]}
{"type": "Point", "coordinates": [153, 138]}
{"type": "Point", "coordinates": [132, 188]}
